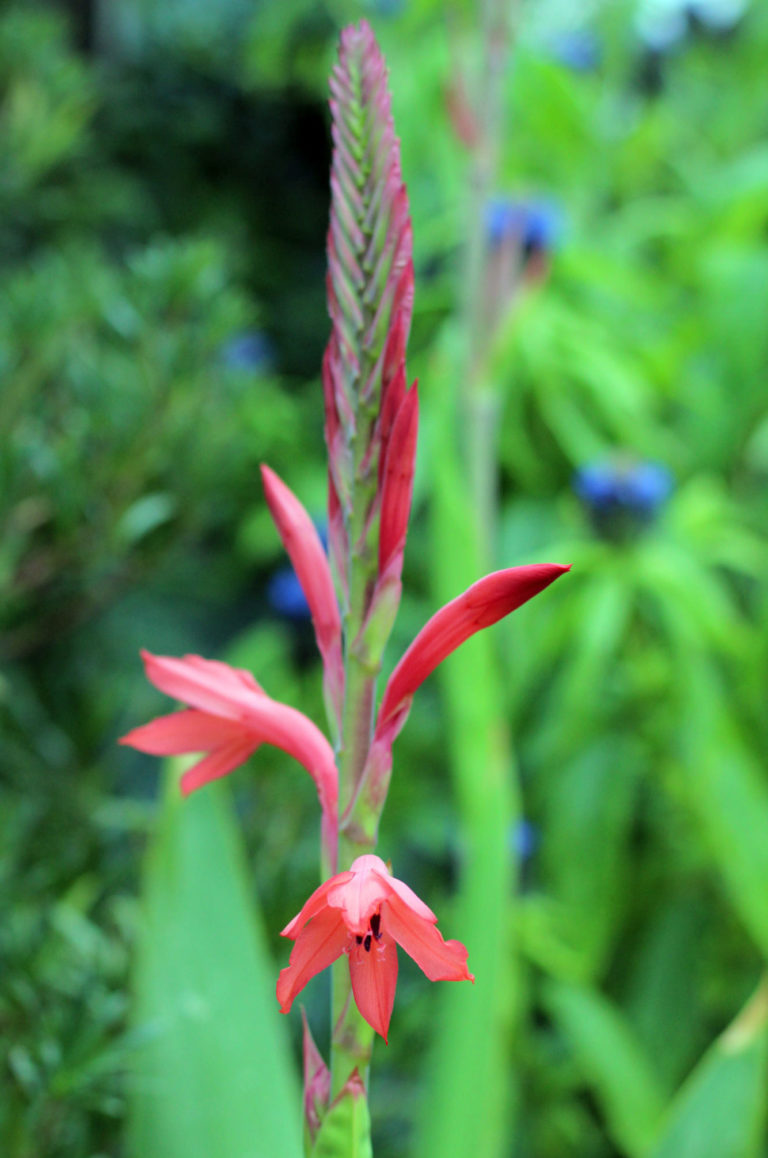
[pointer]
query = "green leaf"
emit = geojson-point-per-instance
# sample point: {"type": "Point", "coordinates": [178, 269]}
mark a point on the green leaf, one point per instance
{"type": "Point", "coordinates": [590, 801]}
{"type": "Point", "coordinates": [613, 1063]}
{"type": "Point", "coordinates": [728, 794]}
{"type": "Point", "coordinates": [214, 1072]}
{"type": "Point", "coordinates": [720, 1110]}
{"type": "Point", "coordinates": [662, 1004]}
{"type": "Point", "coordinates": [346, 1128]}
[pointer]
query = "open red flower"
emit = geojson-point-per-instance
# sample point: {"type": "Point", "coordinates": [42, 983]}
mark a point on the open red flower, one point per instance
{"type": "Point", "coordinates": [229, 716]}
{"type": "Point", "coordinates": [366, 913]}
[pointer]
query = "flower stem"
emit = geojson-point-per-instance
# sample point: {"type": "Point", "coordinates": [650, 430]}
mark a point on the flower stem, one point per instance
{"type": "Point", "coordinates": [351, 1036]}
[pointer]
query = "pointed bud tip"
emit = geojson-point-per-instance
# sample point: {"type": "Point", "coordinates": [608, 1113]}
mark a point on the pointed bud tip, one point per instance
{"type": "Point", "coordinates": [354, 1085]}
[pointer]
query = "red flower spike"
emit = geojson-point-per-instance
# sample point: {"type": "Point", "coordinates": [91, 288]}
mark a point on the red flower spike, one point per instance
{"type": "Point", "coordinates": [366, 913]}
{"type": "Point", "coordinates": [317, 1081]}
{"type": "Point", "coordinates": [370, 292]}
{"type": "Point", "coordinates": [230, 715]}
{"type": "Point", "coordinates": [310, 563]}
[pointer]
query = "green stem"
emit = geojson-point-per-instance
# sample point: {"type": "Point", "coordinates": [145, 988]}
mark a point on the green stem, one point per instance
{"type": "Point", "coordinates": [351, 1036]}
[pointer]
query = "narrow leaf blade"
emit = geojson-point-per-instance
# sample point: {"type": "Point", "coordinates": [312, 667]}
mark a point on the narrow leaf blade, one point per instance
{"type": "Point", "coordinates": [214, 1072]}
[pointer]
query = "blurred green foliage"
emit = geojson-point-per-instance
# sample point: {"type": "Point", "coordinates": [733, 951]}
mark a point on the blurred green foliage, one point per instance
{"type": "Point", "coordinates": [166, 196]}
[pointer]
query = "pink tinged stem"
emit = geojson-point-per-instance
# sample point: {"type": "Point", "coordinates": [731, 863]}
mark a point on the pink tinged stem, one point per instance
{"type": "Point", "coordinates": [310, 563]}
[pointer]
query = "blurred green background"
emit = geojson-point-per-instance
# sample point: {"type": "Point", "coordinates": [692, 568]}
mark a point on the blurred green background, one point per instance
{"type": "Point", "coordinates": [163, 205]}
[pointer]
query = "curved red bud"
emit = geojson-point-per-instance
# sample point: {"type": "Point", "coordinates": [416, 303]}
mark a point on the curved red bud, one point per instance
{"type": "Point", "coordinates": [481, 605]}
{"type": "Point", "coordinates": [397, 481]}
{"type": "Point", "coordinates": [310, 563]}
{"type": "Point", "coordinates": [317, 1081]}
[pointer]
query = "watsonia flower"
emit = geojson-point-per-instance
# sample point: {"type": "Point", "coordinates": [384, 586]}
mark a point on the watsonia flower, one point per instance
{"type": "Point", "coordinates": [229, 717]}
{"type": "Point", "coordinates": [365, 913]}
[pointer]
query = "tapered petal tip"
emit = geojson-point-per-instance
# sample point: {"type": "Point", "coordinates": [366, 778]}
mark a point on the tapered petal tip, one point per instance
{"type": "Point", "coordinates": [285, 990]}
{"type": "Point", "coordinates": [270, 481]}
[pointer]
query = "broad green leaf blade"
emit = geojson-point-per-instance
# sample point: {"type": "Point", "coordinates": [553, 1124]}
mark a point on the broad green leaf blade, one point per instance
{"type": "Point", "coordinates": [613, 1064]}
{"type": "Point", "coordinates": [663, 1006]}
{"type": "Point", "coordinates": [589, 802]}
{"type": "Point", "coordinates": [728, 793]}
{"type": "Point", "coordinates": [720, 1111]}
{"type": "Point", "coordinates": [214, 1072]}
{"type": "Point", "coordinates": [346, 1130]}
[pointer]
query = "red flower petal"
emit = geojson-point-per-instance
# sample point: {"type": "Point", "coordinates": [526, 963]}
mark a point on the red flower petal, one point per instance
{"type": "Point", "coordinates": [315, 904]}
{"type": "Point", "coordinates": [440, 960]}
{"type": "Point", "coordinates": [319, 944]}
{"type": "Point", "coordinates": [180, 732]}
{"type": "Point", "coordinates": [409, 898]}
{"type": "Point", "coordinates": [374, 980]}
{"type": "Point", "coordinates": [202, 683]}
{"type": "Point", "coordinates": [360, 897]}
{"type": "Point", "coordinates": [217, 764]}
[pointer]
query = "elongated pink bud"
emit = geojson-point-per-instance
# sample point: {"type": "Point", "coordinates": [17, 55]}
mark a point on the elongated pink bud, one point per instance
{"type": "Point", "coordinates": [482, 604]}
{"type": "Point", "coordinates": [397, 482]}
{"type": "Point", "coordinates": [317, 1081]}
{"type": "Point", "coordinates": [310, 563]}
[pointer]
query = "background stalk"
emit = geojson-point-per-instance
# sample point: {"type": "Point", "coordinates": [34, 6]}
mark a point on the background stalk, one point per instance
{"type": "Point", "coordinates": [476, 1025]}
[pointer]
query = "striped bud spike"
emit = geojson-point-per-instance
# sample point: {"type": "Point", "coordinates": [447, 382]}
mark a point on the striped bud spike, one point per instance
{"type": "Point", "coordinates": [370, 293]}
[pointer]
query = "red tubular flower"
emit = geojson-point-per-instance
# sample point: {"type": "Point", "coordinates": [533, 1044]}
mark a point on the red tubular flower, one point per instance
{"type": "Point", "coordinates": [310, 563]}
{"type": "Point", "coordinates": [366, 913]}
{"type": "Point", "coordinates": [481, 605]}
{"type": "Point", "coordinates": [229, 716]}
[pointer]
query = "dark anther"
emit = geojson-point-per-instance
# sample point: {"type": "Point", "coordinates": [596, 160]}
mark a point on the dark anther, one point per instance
{"type": "Point", "coordinates": [359, 939]}
{"type": "Point", "coordinates": [367, 943]}
{"type": "Point", "coordinates": [375, 922]}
